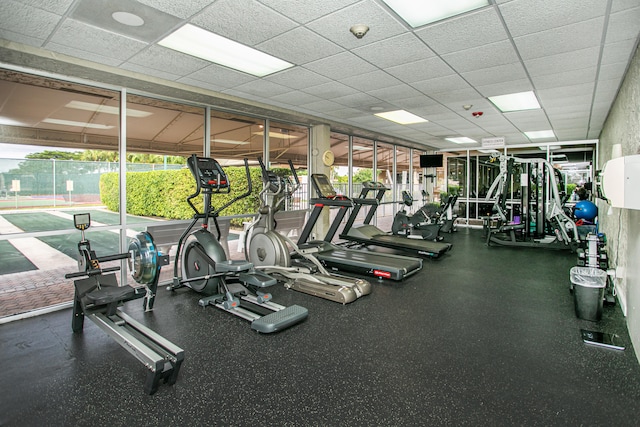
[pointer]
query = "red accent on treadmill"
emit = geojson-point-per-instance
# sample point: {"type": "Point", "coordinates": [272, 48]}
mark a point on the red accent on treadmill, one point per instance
{"type": "Point", "coordinates": [319, 205]}
{"type": "Point", "coordinates": [380, 273]}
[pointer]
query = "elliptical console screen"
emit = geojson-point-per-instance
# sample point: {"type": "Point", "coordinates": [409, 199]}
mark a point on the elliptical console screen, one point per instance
{"type": "Point", "coordinates": [323, 186]}
{"type": "Point", "coordinates": [210, 173]}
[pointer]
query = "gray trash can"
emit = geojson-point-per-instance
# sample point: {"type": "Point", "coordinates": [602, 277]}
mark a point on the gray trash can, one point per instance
{"type": "Point", "coordinates": [588, 291]}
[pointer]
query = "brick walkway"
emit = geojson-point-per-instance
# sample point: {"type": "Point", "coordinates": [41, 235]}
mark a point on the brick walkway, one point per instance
{"type": "Point", "coordinates": [33, 290]}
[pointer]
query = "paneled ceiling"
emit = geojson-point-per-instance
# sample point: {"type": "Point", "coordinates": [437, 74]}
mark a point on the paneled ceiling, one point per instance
{"type": "Point", "coordinates": [572, 53]}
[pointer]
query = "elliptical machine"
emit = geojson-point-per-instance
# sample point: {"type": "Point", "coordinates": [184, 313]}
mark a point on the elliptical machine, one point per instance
{"type": "Point", "coordinates": [97, 296]}
{"type": "Point", "coordinates": [201, 263]}
{"type": "Point", "coordinates": [268, 250]}
{"type": "Point", "coordinates": [421, 225]}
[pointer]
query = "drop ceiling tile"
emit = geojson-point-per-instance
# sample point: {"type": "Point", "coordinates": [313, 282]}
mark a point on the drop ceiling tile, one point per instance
{"type": "Point", "coordinates": [572, 123]}
{"type": "Point", "coordinates": [467, 31]}
{"type": "Point", "coordinates": [493, 75]}
{"type": "Point", "coordinates": [558, 94]}
{"type": "Point", "coordinates": [421, 70]}
{"type": "Point", "coordinates": [335, 26]}
{"type": "Point", "coordinates": [370, 81]}
{"type": "Point", "coordinates": [358, 100]}
{"type": "Point", "coordinates": [593, 134]}
{"type": "Point", "coordinates": [608, 86]}
{"type": "Point", "coordinates": [618, 5]}
{"type": "Point", "coordinates": [95, 40]}
{"type": "Point", "coordinates": [395, 93]}
{"type": "Point", "coordinates": [398, 50]}
{"type": "Point", "coordinates": [344, 113]}
{"type": "Point", "coordinates": [245, 21]}
{"type": "Point", "coordinates": [559, 40]}
{"type": "Point", "coordinates": [441, 84]}
{"type": "Point", "coordinates": [623, 25]}
{"type": "Point", "coordinates": [457, 97]}
{"type": "Point", "coordinates": [164, 59]}
{"type": "Point", "coordinates": [26, 20]}
{"type": "Point", "coordinates": [295, 98]}
{"type": "Point", "coordinates": [330, 90]}
{"type": "Point", "coordinates": [181, 9]}
{"type": "Point", "coordinates": [414, 103]}
{"type": "Point", "coordinates": [340, 66]}
{"type": "Point", "coordinates": [485, 56]}
{"type": "Point", "coordinates": [323, 106]}
{"type": "Point", "coordinates": [297, 78]}
{"type": "Point", "coordinates": [304, 12]}
{"type": "Point", "coordinates": [262, 88]}
{"type": "Point", "coordinates": [293, 46]}
{"type": "Point", "coordinates": [621, 51]}
{"type": "Point", "coordinates": [573, 134]}
{"type": "Point", "coordinates": [583, 100]}
{"type": "Point", "coordinates": [613, 71]}
{"type": "Point", "coordinates": [221, 77]}
{"type": "Point", "coordinates": [59, 7]}
{"type": "Point", "coordinates": [568, 78]}
{"type": "Point", "coordinates": [532, 119]}
{"type": "Point", "coordinates": [565, 61]}
{"type": "Point", "coordinates": [527, 17]}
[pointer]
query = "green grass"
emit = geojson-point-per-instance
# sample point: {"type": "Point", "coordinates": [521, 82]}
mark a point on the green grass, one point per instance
{"type": "Point", "coordinates": [110, 218]}
{"type": "Point", "coordinates": [102, 242]}
{"type": "Point", "coordinates": [38, 221]}
{"type": "Point", "coordinates": [12, 260]}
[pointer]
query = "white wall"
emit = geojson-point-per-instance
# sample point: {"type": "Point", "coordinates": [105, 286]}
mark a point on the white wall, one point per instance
{"type": "Point", "coordinates": [622, 226]}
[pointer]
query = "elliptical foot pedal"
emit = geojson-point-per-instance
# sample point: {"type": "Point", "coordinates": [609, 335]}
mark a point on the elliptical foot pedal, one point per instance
{"type": "Point", "coordinates": [258, 279]}
{"type": "Point", "coordinates": [233, 266]}
{"type": "Point", "coordinates": [279, 320]}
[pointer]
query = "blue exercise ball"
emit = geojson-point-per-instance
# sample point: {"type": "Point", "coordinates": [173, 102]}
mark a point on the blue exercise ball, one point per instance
{"type": "Point", "coordinates": [586, 210]}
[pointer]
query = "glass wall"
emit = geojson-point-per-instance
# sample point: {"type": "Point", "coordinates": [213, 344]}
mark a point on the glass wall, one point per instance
{"type": "Point", "coordinates": [289, 142]}
{"type": "Point", "coordinates": [572, 161]}
{"type": "Point", "coordinates": [60, 155]}
{"type": "Point", "coordinates": [340, 169]}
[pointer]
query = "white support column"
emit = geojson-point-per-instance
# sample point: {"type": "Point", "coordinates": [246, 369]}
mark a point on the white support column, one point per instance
{"type": "Point", "coordinates": [320, 143]}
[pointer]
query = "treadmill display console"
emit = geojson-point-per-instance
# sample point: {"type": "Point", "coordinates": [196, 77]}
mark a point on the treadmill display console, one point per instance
{"type": "Point", "coordinates": [372, 185]}
{"type": "Point", "coordinates": [323, 186]}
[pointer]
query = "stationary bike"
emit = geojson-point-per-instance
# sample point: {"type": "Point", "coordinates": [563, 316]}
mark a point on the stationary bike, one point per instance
{"type": "Point", "coordinates": [268, 250]}
{"type": "Point", "coordinates": [201, 263]}
{"type": "Point", "coordinates": [97, 296]}
{"type": "Point", "coordinates": [423, 224]}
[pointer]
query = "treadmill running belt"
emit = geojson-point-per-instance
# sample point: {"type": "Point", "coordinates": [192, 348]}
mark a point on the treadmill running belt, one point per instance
{"type": "Point", "coordinates": [434, 248]}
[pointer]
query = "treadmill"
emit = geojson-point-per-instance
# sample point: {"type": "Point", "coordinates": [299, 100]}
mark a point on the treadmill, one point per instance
{"type": "Point", "coordinates": [334, 257]}
{"type": "Point", "coordinates": [368, 234]}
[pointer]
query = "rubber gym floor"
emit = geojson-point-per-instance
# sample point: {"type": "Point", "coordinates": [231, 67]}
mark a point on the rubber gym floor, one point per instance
{"type": "Point", "coordinates": [483, 336]}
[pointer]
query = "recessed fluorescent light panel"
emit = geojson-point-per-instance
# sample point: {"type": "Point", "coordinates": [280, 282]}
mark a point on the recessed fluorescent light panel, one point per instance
{"type": "Point", "coordinates": [462, 140]}
{"type": "Point", "coordinates": [230, 141]}
{"type": "Point", "coordinates": [211, 47]}
{"type": "Point", "coordinates": [401, 116]}
{"type": "Point", "coordinates": [551, 147]}
{"type": "Point", "coordinates": [77, 124]}
{"type": "Point", "coordinates": [539, 134]}
{"type": "Point", "coordinates": [275, 135]}
{"type": "Point", "coordinates": [516, 101]}
{"type": "Point", "coordinates": [417, 13]}
{"type": "Point", "coordinates": [88, 106]}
